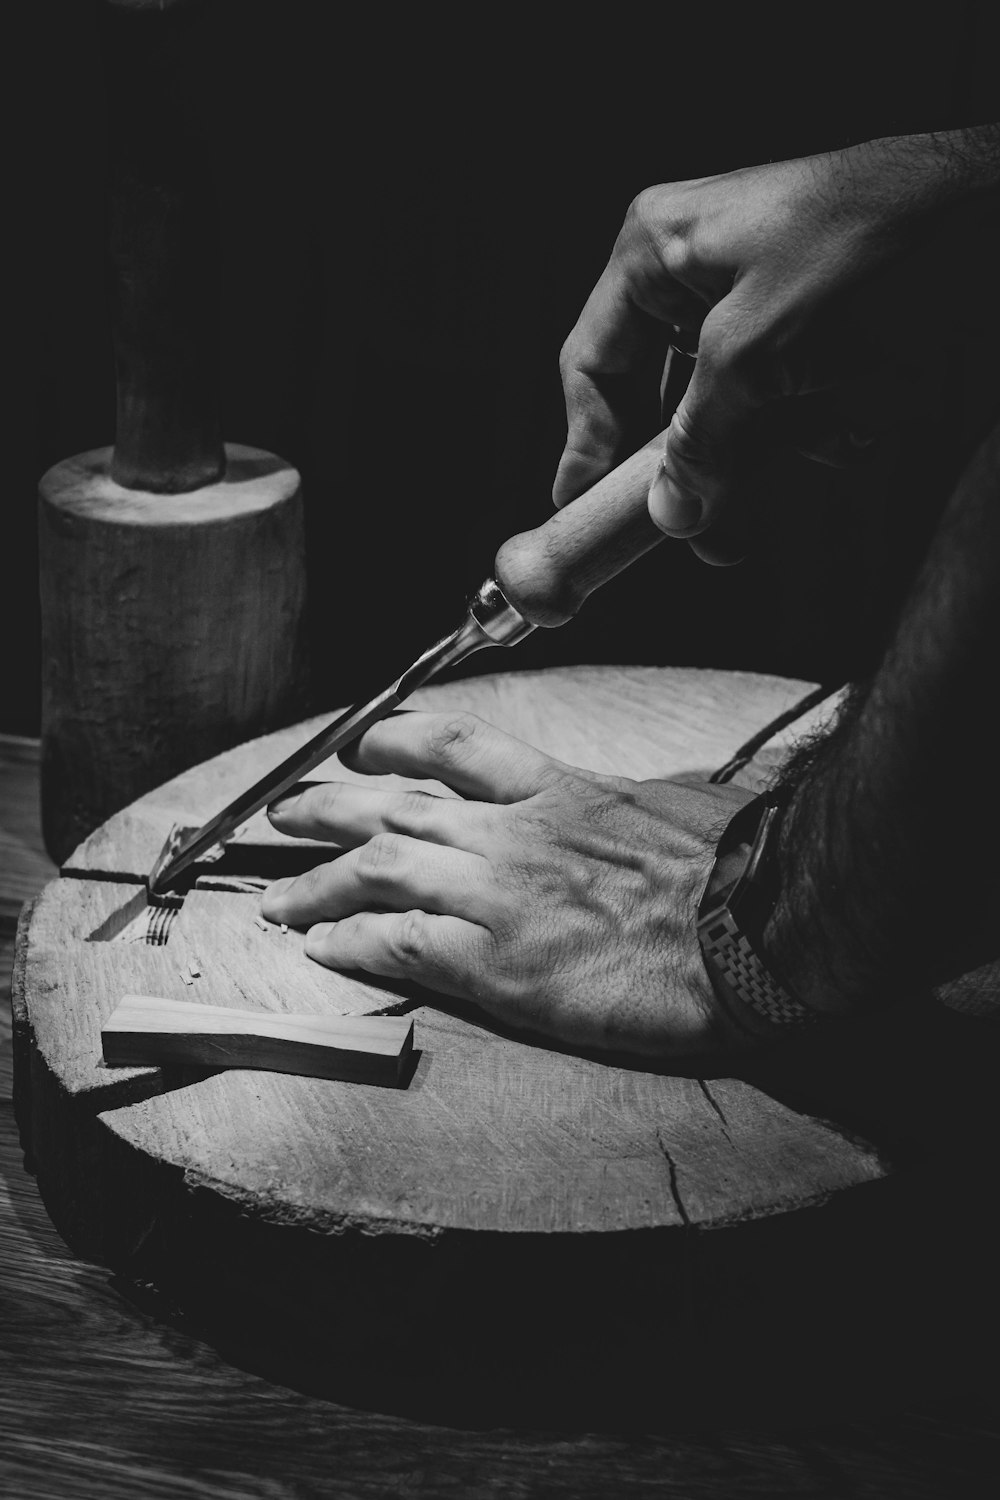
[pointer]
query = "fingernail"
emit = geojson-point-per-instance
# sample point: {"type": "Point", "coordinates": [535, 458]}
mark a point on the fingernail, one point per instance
{"type": "Point", "coordinates": [283, 804]}
{"type": "Point", "coordinates": [671, 509]}
{"type": "Point", "coordinates": [316, 935]}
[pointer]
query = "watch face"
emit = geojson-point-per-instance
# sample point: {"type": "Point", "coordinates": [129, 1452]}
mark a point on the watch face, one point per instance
{"type": "Point", "coordinates": [738, 875]}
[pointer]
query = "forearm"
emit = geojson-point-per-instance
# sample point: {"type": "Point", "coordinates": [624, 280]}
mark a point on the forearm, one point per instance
{"type": "Point", "coordinates": [898, 192]}
{"type": "Point", "coordinates": [925, 172]}
{"type": "Point", "coordinates": [886, 847]}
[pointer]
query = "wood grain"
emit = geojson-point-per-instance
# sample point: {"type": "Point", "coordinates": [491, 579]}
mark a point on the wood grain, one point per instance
{"type": "Point", "coordinates": [171, 627]}
{"type": "Point", "coordinates": [147, 1029]}
{"type": "Point", "coordinates": [242, 966]}
{"type": "Point", "coordinates": [109, 1392]}
{"type": "Point", "coordinates": [499, 1152]}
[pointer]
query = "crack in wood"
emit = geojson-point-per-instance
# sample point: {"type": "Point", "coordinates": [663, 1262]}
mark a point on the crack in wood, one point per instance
{"type": "Point", "coordinates": [672, 1173]}
{"type": "Point", "coordinates": [718, 1110]}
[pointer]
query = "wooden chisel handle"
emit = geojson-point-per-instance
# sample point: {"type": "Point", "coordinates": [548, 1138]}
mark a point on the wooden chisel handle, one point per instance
{"type": "Point", "coordinates": [547, 573]}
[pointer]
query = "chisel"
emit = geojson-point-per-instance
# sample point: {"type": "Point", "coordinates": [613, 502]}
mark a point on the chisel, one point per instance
{"type": "Point", "coordinates": [540, 578]}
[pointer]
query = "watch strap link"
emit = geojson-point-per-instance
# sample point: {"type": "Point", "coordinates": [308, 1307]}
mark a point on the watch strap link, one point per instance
{"type": "Point", "coordinates": [730, 922]}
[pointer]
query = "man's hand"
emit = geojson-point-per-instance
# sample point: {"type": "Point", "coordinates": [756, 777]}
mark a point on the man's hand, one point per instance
{"type": "Point", "coordinates": [559, 901]}
{"type": "Point", "coordinates": [811, 311]}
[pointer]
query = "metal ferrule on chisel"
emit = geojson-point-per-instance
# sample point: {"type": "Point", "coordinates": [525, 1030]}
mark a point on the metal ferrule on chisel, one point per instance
{"type": "Point", "coordinates": [490, 620]}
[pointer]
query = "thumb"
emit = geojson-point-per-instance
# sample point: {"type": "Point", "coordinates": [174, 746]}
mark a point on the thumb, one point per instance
{"type": "Point", "coordinates": [700, 472]}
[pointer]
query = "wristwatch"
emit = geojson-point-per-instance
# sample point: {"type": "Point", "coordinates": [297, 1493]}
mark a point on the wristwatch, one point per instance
{"type": "Point", "coordinates": [740, 895]}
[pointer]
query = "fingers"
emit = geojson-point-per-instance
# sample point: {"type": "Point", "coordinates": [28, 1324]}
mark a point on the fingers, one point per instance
{"type": "Point", "coordinates": [442, 953]}
{"type": "Point", "coordinates": [747, 398]}
{"type": "Point", "coordinates": [390, 872]}
{"type": "Point", "coordinates": [700, 470]}
{"type": "Point", "coordinates": [463, 752]}
{"type": "Point", "coordinates": [342, 813]}
{"type": "Point", "coordinates": [610, 367]}
{"type": "Point", "coordinates": [612, 361]}
{"type": "Point", "coordinates": [596, 421]}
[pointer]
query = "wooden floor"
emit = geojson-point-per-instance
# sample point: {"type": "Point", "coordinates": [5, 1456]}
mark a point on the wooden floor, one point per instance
{"type": "Point", "coordinates": [104, 1394]}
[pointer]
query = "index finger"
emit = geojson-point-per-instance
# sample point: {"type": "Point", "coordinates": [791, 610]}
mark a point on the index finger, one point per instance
{"type": "Point", "coordinates": [610, 371]}
{"type": "Point", "coordinates": [460, 750]}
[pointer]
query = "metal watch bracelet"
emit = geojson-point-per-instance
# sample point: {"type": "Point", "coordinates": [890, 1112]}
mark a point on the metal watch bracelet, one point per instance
{"type": "Point", "coordinates": [731, 921]}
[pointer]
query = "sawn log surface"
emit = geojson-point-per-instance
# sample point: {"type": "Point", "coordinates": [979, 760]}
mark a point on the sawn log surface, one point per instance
{"type": "Point", "coordinates": [486, 1228]}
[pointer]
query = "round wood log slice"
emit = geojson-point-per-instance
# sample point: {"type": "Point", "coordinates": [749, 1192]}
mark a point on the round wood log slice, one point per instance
{"type": "Point", "coordinates": [518, 1228]}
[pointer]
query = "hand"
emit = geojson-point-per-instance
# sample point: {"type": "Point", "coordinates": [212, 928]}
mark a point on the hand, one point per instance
{"type": "Point", "coordinates": [776, 273]}
{"type": "Point", "coordinates": [559, 901]}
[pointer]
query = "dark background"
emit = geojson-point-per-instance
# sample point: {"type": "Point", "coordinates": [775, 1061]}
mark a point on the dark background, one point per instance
{"type": "Point", "coordinates": [415, 203]}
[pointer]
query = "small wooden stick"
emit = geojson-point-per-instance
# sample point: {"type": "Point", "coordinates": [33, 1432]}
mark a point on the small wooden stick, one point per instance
{"type": "Point", "coordinates": [150, 1030]}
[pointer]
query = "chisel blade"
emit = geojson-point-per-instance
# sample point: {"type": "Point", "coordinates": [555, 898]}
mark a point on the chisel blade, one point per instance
{"type": "Point", "coordinates": [336, 736]}
{"type": "Point", "coordinates": [490, 621]}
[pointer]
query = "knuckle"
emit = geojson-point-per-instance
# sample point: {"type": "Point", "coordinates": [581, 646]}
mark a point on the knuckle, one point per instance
{"type": "Point", "coordinates": [380, 856]}
{"type": "Point", "coordinates": [408, 941]}
{"type": "Point", "coordinates": [653, 222]}
{"type": "Point", "coordinates": [449, 735]}
{"type": "Point", "coordinates": [689, 444]}
{"type": "Point", "coordinates": [551, 775]}
{"type": "Point", "coordinates": [602, 804]}
{"type": "Point", "coordinates": [569, 359]}
{"type": "Point", "coordinates": [408, 813]}
{"type": "Point", "coordinates": [580, 363]}
{"type": "Point", "coordinates": [645, 213]}
{"type": "Point", "coordinates": [507, 930]}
